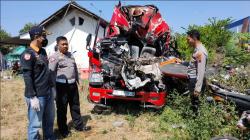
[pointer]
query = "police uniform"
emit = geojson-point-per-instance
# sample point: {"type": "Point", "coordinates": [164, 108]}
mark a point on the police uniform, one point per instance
{"type": "Point", "coordinates": [196, 73]}
{"type": "Point", "coordinates": [36, 73]}
{"type": "Point", "coordinates": [65, 73]}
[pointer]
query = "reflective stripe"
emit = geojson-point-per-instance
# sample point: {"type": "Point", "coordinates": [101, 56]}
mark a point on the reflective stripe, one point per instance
{"type": "Point", "coordinates": [71, 81]}
{"type": "Point", "coordinates": [61, 80]}
{"type": "Point", "coordinates": [64, 81]}
{"type": "Point", "coordinates": [192, 76]}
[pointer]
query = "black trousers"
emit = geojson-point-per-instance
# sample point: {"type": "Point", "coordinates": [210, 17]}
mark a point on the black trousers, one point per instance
{"type": "Point", "coordinates": [195, 100]}
{"type": "Point", "coordinates": [68, 94]}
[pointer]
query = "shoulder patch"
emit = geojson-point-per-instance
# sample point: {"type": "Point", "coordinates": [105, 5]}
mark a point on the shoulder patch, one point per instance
{"type": "Point", "coordinates": [27, 56]}
{"type": "Point", "coordinates": [51, 59]}
{"type": "Point", "coordinates": [199, 56]}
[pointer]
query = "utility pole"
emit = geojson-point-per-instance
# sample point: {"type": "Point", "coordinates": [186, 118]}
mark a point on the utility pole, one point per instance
{"type": "Point", "coordinates": [98, 23]}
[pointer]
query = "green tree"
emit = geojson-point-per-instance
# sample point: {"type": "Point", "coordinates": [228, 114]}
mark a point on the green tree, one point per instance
{"type": "Point", "coordinates": [27, 27]}
{"type": "Point", "coordinates": [235, 53]}
{"type": "Point", "coordinates": [214, 36]}
{"type": "Point", "coordinates": [183, 46]}
{"type": "Point", "coordinates": [4, 35]}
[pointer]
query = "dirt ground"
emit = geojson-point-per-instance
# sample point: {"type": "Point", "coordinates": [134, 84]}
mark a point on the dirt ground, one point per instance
{"type": "Point", "coordinates": [135, 125]}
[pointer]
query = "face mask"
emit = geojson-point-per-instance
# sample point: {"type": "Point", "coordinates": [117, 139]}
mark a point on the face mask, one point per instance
{"type": "Point", "coordinates": [45, 42]}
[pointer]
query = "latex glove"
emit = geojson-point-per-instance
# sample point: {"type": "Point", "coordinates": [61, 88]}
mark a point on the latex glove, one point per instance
{"type": "Point", "coordinates": [35, 103]}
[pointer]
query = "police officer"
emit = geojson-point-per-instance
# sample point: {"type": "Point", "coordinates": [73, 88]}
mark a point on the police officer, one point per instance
{"type": "Point", "coordinates": [63, 66]}
{"type": "Point", "coordinates": [197, 67]}
{"type": "Point", "coordinates": [36, 74]}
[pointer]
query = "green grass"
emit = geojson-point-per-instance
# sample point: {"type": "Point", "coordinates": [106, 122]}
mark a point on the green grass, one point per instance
{"type": "Point", "coordinates": [179, 122]}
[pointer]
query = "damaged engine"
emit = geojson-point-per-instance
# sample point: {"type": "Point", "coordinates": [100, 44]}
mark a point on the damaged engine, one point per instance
{"type": "Point", "coordinates": [127, 66]}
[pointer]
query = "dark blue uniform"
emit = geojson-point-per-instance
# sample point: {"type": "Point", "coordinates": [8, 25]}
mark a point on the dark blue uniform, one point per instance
{"type": "Point", "coordinates": [35, 72]}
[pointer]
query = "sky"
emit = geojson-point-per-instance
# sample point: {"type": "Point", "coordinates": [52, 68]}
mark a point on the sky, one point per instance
{"type": "Point", "coordinates": [178, 14]}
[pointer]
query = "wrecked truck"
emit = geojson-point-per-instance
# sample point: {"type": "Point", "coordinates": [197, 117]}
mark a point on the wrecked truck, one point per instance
{"type": "Point", "coordinates": [129, 62]}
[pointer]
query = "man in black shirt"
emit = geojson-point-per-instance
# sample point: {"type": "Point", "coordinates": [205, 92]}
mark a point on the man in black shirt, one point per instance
{"type": "Point", "coordinates": [36, 74]}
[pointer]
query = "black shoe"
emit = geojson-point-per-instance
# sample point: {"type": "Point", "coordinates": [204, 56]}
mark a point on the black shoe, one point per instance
{"type": "Point", "coordinates": [84, 129]}
{"type": "Point", "coordinates": [66, 134]}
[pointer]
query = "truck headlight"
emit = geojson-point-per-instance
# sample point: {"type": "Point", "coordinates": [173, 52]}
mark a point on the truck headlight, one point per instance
{"type": "Point", "coordinates": [96, 79]}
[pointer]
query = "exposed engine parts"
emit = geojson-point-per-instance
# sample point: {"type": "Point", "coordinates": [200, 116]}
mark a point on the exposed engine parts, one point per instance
{"type": "Point", "coordinates": [130, 67]}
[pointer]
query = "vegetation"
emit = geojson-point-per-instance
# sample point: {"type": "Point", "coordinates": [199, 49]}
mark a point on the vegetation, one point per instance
{"type": "Point", "coordinates": [4, 35]}
{"type": "Point", "coordinates": [5, 49]}
{"type": "Point", "coordinates": [27, 27]}
{"type": "Point", "coordinates": [235, 50]}
{"type": "Point", "coordinates": [214, 119]}
{"type": "Point", "coordinates": [213, 35]}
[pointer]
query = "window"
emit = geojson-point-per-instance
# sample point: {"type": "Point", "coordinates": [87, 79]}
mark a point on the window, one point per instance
{"type": "Point", "coordinates": [81, 21]}
{"type": "Point", "coordinates": [72, 21]}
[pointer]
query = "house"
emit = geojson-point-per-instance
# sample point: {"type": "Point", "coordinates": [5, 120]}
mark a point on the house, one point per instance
{"type": "Point", "coordinates": [14, 55]}
{"type": "Point", "coordinates": [240, 26]}
{"type": "Point", "coordinates": [75, 23]}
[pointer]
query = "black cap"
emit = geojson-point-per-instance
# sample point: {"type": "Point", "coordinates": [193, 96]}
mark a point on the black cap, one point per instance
{"type": "Point", "coordinates": [36, 30]}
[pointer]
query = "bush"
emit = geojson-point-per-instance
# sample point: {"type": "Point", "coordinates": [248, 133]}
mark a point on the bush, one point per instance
{"type": "Point", "coordinates": [183, 47]}
{"type": "Point", "coordinates": [213, 35]}
{"type": "Point", "coordinates": [239, 81]}
{"type": "Point", "coordinates": [235, 53]}
{"type": "Point", "coordinates": [214, 119]}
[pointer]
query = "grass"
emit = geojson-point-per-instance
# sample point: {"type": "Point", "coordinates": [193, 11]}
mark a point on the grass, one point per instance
{"type": "Point", "coordinates": [214, 119]}
{"type": "Point", "coordinates": [14, 117]}
{"type": "Point", "coordinates": [13, 111]}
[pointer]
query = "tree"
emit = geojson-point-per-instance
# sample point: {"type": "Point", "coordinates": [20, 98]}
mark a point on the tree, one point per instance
{"type": "Point", "coordinates": [27, 27]}
{"type": "Point", "coordinates": [214, 36]}
{"type": "Point", "coordinates": [4, 35]}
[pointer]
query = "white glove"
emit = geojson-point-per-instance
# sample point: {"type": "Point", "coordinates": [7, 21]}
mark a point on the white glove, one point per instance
{"type": "Point", "coordinates": [34, 102]}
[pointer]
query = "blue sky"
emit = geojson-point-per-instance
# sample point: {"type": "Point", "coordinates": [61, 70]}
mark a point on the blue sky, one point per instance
{"type": "Point", "coordinates": [14, 14]}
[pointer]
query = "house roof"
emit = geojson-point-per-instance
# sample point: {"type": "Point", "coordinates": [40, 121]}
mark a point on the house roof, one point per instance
{"type": "Point", "coordinates": [15, 40]}
{"type": "Point", "coordinates": [56, 16]}
{"type": "Point", "coordinates": [72, 5]}
{"type": "Point", "coordinates": [237, 23]}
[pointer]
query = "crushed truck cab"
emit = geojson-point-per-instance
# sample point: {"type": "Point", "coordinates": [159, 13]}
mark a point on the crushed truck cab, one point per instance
{"type": "Point", "coordinates": [129, 62]}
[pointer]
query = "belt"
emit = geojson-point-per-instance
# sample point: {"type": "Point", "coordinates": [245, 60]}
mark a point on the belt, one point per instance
{"type": "Point", "coordinates": [64, 81]}
{"type": "Point", "coordinates": [192, 76]}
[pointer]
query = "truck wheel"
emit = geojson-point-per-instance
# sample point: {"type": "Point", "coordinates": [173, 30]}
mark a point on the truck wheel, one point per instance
{"type": "Point", "coordinates": [97, 110]}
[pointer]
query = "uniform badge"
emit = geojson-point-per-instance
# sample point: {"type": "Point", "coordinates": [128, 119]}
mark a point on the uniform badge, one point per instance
{"type": "Point", "coordinates": [27, 56]}
{"type": "Point", "coordinates": [52, 59]}
{"type": "Point", "coordinates": [199, 56]}
{"type": "Point", "coordinates": [37, 55]}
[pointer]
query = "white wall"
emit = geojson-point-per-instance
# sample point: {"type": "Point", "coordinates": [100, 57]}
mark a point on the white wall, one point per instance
{"type": "Point", "coordinates": [25, 36]}
{"type": "Point", "coordinates": [236, 29]}
{"type": "Point", "coordinates": [76, 35]}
